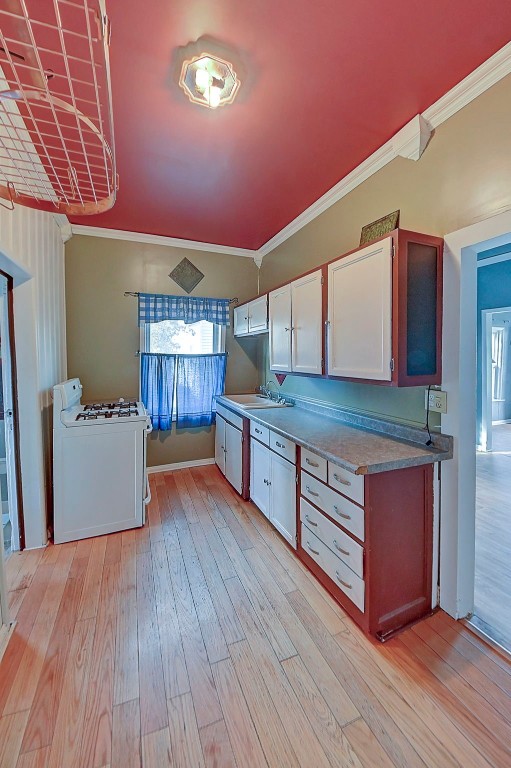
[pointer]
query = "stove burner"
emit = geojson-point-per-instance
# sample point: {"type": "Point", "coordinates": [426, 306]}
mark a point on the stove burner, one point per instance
{"type": "Point", "coordinates": [97, 411]}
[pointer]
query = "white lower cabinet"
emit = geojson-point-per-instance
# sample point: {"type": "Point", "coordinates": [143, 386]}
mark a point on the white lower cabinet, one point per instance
{"type": "Point", "coordinates": [229, 452]}
{"type": "Point", "coordinates": [273, 489]}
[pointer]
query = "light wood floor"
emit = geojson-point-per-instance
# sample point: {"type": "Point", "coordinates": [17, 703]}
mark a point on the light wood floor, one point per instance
{"type": "Point", "coordinates": [492, 594]}
{"type": "Point", "coordinates": [200, 641]}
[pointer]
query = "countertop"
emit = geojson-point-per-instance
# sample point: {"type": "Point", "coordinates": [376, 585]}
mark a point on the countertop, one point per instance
{"type": "Point", "coordinates": [359, 450]}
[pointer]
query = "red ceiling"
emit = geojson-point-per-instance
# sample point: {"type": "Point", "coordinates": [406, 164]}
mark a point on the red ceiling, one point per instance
{"type": "Point", "coordinates": [325, 84]}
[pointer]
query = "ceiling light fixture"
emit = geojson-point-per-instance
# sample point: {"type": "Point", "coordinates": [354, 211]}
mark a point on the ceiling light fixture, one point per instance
{"type": "Point", "coordinates": [209, 80]}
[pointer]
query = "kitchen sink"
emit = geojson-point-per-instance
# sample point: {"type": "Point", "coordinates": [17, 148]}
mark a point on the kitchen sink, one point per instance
{"type": "Point", "coordinates": [254, 401]}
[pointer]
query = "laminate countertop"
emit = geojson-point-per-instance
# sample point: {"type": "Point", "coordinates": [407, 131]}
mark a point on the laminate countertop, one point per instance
{"type": "Point", "coordinates": [358, 449]}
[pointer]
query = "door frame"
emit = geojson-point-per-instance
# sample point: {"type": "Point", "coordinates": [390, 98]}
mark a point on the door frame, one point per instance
{"type": "Point", "coordinates": [459, 358]}
{"type": "Point", "coordinates": [485, 441]}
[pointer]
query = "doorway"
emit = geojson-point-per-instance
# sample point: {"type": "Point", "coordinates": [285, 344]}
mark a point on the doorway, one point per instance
{"type": "Point", "coordinates": [11, 537]}
{"type": "Point", "coordinates": [492, 581]}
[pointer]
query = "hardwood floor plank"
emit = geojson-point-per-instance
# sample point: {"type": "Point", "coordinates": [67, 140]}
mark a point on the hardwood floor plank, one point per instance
{"type": "Point", "coordinates": [365, 745]}
{"type": "Point", "coordinates": [15, 598]}
{"type": "Point", "coordinates": [226, 614]}
{"type": "Point", "coordinates": [126, 676]}
{"type": "Point", "coordinates": [113, 549]}
{"type": "Point", "coordinates": [126, 745]}
{"type": "Point", "coordinates": [294, 720]}
{"type": "Point", "coordinates": [266, 614]}
{"type": "Point", "coordinates": [205, 699]}
{"type": "Point", "coordinates": [276, 745]}
{"type": "Point", "coordinates": [67, 736]}
{"type": "Point", "coordinates": [21, 578]}
{"type": "Point", "coordinates": [156, 750]}
{"type": "Point", "coordinates": [216, 746]}
{"type": "Point", "coordinates": [168, 524]}
{"type": "Point", "coordinates": [154, 519]}
{"type": "Point", "coordinates": [493, 694]}
{"type": "Point", "coordinates": [11, 735]}
{"type": "Point", "coordinates": [97, 735]}
{"type": "Point", "coordinates": [184, 734]}
{"type": "Point", "coordinates": [153, 702]}
{"type": "Point", "coordinates": [90, 596]}
{"type": "Point", "coordinates": [324, 724]}
{"type": "Point", "coordinates": [173, 659]}
{"type": "Point", "coordinates": [242, 733]}
{"type": "Point", "coordinates": [407, 680]}
{"type": "Point", "coordinates": [43, 713]}
{"type": "Point", "coordinates": [228, 507]}
{"type": "Point", "coordinates": [37, 759]}
{"type": "Point", "coordinates": [203, 488]}
{"type": "Point", "coordinates": [23, 688]}
{"type": "Point", "coordinates": [186, 501]}
{"type": "Point", "coordinates": [469, 713]}
{"type": "Point", "coordinates": [214, 640]}
{"type": "Point", "coordinates": [385, 729]}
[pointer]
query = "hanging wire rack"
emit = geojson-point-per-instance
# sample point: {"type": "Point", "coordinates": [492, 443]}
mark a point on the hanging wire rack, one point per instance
{"type": "Point", "coordinates": [56, 125]}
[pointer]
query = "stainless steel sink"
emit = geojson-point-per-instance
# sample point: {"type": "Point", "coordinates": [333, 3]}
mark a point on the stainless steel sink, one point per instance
{"type": "Point", "coordinates": [250, 402]}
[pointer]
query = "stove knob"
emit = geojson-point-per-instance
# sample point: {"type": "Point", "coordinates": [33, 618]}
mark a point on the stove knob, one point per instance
{"type": "Point", "coordinates": [121, 399]}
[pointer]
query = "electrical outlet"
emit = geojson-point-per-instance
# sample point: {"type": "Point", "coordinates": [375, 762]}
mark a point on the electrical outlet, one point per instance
{"type": "Point", "coordinates": [437, 400]}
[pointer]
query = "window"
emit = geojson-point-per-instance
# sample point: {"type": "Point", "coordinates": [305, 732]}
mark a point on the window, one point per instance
{"type": "Point", "coordinates": [175, 337]}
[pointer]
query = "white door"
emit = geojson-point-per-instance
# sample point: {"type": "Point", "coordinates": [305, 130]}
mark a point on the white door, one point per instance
{"type": "Point", "coordinates": [260, 476]}
{"type": "Point", "coordinates": [283, 497]}
{"type": "Point", "coordinates": [240, 320]}
{"type": "Point", "coordinates": [9, 504]}
{"type": "Point", "coordinates": [307, 344]}
{"type": "Point", "coordinates": [258, 314]}
{"type": "Point", "coordinates": [280, 328]}
{"type": "Point", "coordinates": [234, 456]}
{"type": "Point", "coordinates": [360, 314]}
{"type": "Point", "coordinates": [220, 443]}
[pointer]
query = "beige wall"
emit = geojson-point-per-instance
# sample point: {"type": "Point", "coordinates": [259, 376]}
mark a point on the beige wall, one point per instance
{"type": "Point", "coordinates": [102, 331]}
{"type": "Point", "coordinates": [464, 176]}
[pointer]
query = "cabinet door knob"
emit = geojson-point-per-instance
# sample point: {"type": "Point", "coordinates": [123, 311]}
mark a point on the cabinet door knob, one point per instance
{"type": "Point", "coordinates": [344, 583]}
{"type": "Point", "coordinates": [259, 431]}
{"type": "Point", "coordinates": [341, 479]}
{"type": "Point", "coordinates": [341, 514]}
{"type": "Point", "coordinates": [312, 463]}
{"type": "Point", "coordinates": [344, 551]}
{"type": "Point", "coordinates": [312, 493]}
{"type": "Point", "coordinates": [312, 550]}
{"type": "Point", "coordinates": [279, 445]}
{"type": "Point", "coordinates": [311, 522]}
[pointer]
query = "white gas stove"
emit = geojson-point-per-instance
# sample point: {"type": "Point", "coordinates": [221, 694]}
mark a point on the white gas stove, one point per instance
{"type": "Point", "coordinates": [99, 464]}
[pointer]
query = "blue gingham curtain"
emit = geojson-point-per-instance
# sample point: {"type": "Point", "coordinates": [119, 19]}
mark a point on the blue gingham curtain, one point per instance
{"type": "Point", "coordinates": [200, 378]}
{"type": "Point", "coordinates": [154, 307]}
{"type": "Point", "coordinates": [157, 385]}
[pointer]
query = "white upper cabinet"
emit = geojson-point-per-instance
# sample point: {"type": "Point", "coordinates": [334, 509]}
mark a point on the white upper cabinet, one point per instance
{"type": "Point", "coordinates": [241, 320]}
{"type": "Point", "coordinates": [360, 314]}
{"type": "Point", "coordinates": [280, 329]}
{"type": "Point", "coordinates": [296, 339]}
{"type": "Point", "coordinates": [251, 318]}
{"type": "Point", "coordinates": [307, 316]}
{"type": "Point", "coordinates": [258, 314]}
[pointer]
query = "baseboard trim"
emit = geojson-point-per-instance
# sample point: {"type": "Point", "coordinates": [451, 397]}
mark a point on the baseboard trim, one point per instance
{"type": "Point", "coordinates": [179, 465]}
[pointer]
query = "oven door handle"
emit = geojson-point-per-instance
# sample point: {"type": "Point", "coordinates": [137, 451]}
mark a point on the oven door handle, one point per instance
{"type": "Point", "coordinates": [148, 490]}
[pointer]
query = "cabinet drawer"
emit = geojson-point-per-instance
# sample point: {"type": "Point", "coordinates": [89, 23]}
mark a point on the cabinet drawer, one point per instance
{"type": "Point", "coordinates": [346, 482]}
{"type": "Point", "coordinates": [229, 416]}
{"type": "Point", "coordinates": [340, 509]}
{"type": "Point", "coordinates": [314, 464]}
{"type": "Point", "coordinates": [336, 540]}
{"type": "Point", "coordinates": [285, 447]}
{"type": "Point", "coordinates": [352, 586]}
{"type": "Point", "coordinates": [260, 433]}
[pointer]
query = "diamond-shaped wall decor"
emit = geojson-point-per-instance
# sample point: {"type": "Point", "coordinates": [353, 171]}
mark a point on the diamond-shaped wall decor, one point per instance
{"type": "Point", "coordinates": [186, 275]}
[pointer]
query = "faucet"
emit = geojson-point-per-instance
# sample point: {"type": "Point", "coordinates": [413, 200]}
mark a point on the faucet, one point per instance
{"type": "Point", "coordinates": [268, 392]}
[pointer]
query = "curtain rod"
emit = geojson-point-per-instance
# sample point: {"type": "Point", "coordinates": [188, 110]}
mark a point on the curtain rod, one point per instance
{"type": "Point", "coordinates": [137, 293]}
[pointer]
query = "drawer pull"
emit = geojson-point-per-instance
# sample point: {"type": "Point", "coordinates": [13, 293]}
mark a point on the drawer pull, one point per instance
{"type": "Point", "coordinates": [344, 583]}
{"type": "Point", "coordinates": [312, 493]}
{"type": "Point", "coordinates": [311, 522]}
{"type": "Point", "coordinates": [266, 482]}
{"type": "Point", "coordinates": [312, 463]}
{"type": "Point", "coordinates": [341, 514]}
{"type": "Point", "coordinates": [312, 550]}
{"type": "Point", "coordinates": [344, 551]}
{"type": "Point", "coordinates": [259, 431]}
{"type": "Point", "coordinates": [279, 445]}
{"type": "Point", "coordinates": [341, 479]}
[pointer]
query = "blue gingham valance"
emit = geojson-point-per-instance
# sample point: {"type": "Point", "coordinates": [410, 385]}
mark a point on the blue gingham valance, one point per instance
{"type": "Point", "coordinates": [155, 307]}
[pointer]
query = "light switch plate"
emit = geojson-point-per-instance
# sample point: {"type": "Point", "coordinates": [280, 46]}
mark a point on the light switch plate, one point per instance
{"type": "Point", "coordinates": [437, 400]}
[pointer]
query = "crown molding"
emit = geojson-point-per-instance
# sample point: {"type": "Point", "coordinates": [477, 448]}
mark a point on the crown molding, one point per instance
{"type": "Point", "coordinates": [171, 242]}
{"type": "Point", "coordinates": [409, 142]}
{"type": "Point", "coordinates": [64, 225]}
